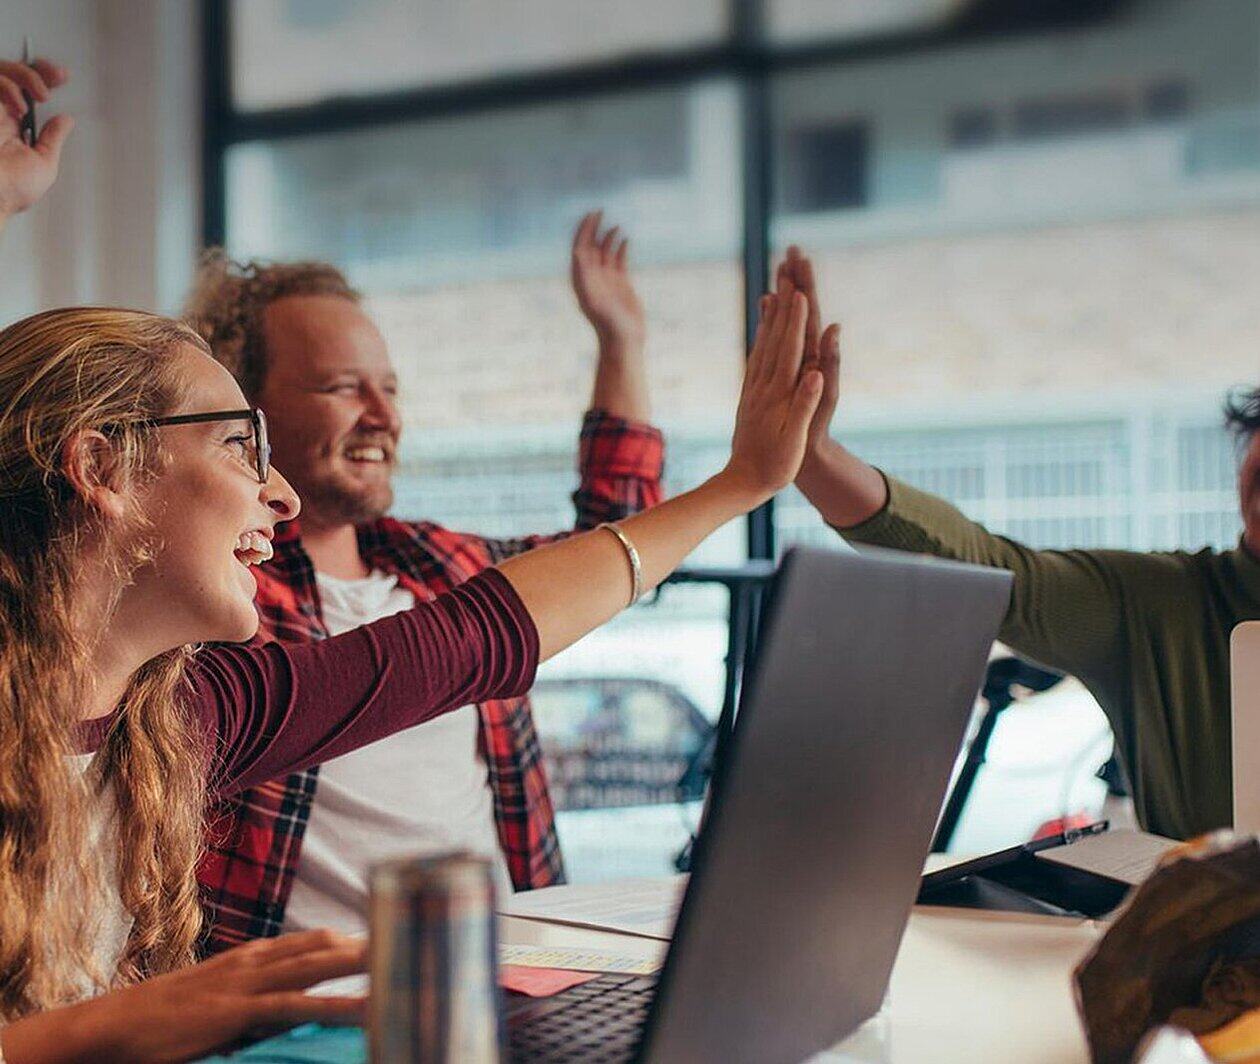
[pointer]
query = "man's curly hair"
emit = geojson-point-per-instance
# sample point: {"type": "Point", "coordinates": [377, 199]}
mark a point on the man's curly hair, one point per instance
{"type": "Point", "coordinates": [228, 299]}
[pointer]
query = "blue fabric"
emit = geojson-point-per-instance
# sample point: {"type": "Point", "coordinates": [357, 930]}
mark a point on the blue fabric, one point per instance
{"type": "Point", "coordinates": [311, 1044]}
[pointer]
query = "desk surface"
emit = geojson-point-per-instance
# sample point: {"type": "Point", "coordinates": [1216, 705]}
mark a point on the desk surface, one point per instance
{"type": "Point", "coordinates": [967, 986]}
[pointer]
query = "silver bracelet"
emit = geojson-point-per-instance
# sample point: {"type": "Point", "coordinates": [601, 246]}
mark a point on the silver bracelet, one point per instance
{"type": "Point", "coordinates": [636, 565]}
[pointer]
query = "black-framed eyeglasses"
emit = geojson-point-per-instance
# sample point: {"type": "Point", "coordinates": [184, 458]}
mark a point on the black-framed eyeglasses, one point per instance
{"type": "Point", "coordinates": [256, 418]}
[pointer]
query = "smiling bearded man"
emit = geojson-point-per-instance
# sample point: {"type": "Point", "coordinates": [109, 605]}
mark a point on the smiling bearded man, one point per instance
{"type": "Point", "coordinates": [294, 854]}
{"type": "Point", "coordinates": [330, 391]}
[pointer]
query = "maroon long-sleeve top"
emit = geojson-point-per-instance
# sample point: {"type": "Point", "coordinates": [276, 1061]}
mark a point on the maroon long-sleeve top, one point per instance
{"type": "Point", "coordinates": [277, 708]}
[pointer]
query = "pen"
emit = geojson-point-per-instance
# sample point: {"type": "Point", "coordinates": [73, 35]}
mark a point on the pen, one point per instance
{"type": "Point", "coordinates": [1066, 837]}
{"type": "Point", "coordinates": [26, 129]}
{"type": "Point", "coordinates": [1097, 828]}
{"type": "Point", "coordinates": [1010, 855]}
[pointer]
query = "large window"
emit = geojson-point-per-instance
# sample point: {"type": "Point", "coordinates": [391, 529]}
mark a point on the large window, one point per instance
{"type": "Point", "coordinates": [1041, 231]}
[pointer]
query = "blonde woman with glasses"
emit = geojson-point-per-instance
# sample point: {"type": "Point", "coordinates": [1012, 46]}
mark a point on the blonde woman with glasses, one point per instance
{"type": "Point", "coordinates": [135, 492]}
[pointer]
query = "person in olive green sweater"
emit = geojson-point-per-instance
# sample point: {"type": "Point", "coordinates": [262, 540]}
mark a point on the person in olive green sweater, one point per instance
{"type": "Point", "coordinates": [1147, 633]}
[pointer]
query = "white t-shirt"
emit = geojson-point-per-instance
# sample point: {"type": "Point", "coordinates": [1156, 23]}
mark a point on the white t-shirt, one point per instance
{"type": "Point", "coordinates": [422, 790]}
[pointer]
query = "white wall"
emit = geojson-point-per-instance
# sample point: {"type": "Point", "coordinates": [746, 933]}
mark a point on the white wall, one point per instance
{"type": "Point", "coordinates": [121, 225]}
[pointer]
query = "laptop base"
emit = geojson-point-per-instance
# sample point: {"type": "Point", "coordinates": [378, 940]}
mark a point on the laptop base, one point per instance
{"type": "Point", "coordinates": [599, 1021]}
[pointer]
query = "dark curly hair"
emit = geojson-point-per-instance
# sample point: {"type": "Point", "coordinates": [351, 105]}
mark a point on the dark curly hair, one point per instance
{"type": "Point", "coordinates": [228, 299]}
{"type": "Point", "coordinates": [1242, 412]}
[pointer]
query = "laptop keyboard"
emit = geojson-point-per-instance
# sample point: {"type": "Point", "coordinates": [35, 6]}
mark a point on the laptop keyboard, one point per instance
{"type": "Point", "coordinates": [599, 1021]}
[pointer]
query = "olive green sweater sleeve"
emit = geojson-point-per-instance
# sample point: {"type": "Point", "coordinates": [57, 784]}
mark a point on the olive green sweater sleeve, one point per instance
{"type": "Point", "coordinates": [1147, 632]}
{"type": "Point", "coordinates": [1065, 609]}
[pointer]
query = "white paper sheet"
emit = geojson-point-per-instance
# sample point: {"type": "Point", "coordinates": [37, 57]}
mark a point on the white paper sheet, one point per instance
{"type": "Point", "coordinates": [1126, 856]}
{"type": "Point", "coordinates": [646, 907]}
{"type": "Point", "coordinates": [568, 958]}
{"type": "Point", "coordinates": [938, 862]}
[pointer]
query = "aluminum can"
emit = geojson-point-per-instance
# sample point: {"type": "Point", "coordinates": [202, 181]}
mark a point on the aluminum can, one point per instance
{"type": "Point", "coordinates": [433, 956]}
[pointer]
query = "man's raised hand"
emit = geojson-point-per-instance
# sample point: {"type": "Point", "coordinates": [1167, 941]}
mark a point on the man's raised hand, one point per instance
{"type": "Point", "coordinates": [602, 285]}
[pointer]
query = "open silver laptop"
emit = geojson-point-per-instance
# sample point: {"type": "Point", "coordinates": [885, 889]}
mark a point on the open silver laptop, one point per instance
{"type": "Point", "coordinates": [1244, 667]}
{"type": "Point", "coordinates": [821, 816]}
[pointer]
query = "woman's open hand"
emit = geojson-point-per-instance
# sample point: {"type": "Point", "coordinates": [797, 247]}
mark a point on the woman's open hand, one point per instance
{"type": "Point", "coordinates": [247, 992]}
{"type": "Point", "coordinates": [777, 401]}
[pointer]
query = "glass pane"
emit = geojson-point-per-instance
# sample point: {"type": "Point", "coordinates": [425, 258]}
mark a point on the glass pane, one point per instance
{"type": "Point", "coordinates": [459, 232]}
{"type": "Point", "coordinates": [1041, 766]}
{"type": "Point", "coordinates": [1043, 251]}
{"type": "Point", "coordinates": [624, 718]}
{"type": "Point", "coordinates": [292, 52]}
{"type": "Point", "coordinates": [1034, 265]}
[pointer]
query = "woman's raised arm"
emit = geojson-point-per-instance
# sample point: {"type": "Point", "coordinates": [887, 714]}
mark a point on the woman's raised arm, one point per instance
{"type": "Point", "coordinates": [572, 587]}
{"type": "Point", "coordinates": [279, 708]}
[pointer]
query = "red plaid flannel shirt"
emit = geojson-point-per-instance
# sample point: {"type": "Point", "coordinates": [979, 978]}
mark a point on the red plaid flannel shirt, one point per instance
{"type": "Point", "coordinates": [254, 839]}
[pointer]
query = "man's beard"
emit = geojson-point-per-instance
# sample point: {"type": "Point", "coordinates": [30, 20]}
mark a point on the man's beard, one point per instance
{"type": "Point", "coordinates": [330, 503]}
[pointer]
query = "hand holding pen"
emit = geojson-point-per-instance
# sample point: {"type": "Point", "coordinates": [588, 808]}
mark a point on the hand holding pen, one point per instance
{"type": "Point", "coordinates": [28, 157]}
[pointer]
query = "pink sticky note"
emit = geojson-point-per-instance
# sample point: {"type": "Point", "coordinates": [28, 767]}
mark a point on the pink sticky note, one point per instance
{"type": "Point", "coordinates": [540, 982]}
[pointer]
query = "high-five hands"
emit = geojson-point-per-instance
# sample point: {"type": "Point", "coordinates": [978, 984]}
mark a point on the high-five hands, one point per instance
{"type": "Point", "coordinates": [822, 347]}
{"type": "Point", "coordinates": [845, 490]}
{"type": "Point", "coordinates": [27, 172]}
{"type": "Point", "coordinates": [602, 284]}
{"type": "Point", "coordinates": [779, 397]}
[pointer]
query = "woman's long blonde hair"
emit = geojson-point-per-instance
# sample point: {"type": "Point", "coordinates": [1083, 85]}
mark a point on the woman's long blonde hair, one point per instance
{"type": "Point", "coordinates": [62, 372]}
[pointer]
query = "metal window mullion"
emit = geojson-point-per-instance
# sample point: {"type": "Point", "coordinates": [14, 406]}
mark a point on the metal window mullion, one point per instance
{"type": "Point", "coordinates": [757, 173]}
{"type": "Point", "coordinates": [216, 118]}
